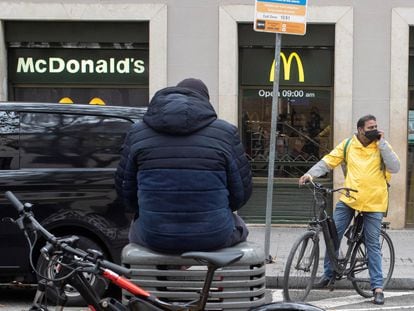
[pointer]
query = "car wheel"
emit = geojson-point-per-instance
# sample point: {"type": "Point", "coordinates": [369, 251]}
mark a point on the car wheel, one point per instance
{"type": "Point", "coordinates": [48, 268]}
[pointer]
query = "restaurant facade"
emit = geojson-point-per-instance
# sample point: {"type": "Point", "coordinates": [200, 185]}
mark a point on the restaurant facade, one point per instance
{"type": "Point", "coordinates": [356, 58]}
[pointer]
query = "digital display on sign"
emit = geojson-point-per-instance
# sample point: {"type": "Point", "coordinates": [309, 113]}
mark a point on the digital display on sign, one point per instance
{"type": "Point", "coordinates": [78, 66]}
{"type": "Point", "coordinates": [281, 16]}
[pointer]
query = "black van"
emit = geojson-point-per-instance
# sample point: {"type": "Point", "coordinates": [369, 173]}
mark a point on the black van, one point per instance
{"type": "Point", "coordinates": [62, 158]}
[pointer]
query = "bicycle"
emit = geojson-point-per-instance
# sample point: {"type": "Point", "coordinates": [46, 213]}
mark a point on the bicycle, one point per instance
{"type": "Point", "coordinates": [303, 259]}
{"type": "Point", "coordinates": [73, 263]}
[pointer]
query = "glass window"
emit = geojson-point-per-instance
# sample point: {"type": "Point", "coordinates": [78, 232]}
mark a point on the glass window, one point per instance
{"type": "Point", "coordinates": [304, 99]}
{"type": "Point", "coordinates": [305, 110]}
{"type": "Point", "coordinates": [304, 129]}
{"type": "Point", "coordinates": [410, 135]}
{"type": "Point", "coordinates": [9, 140]}
{"type": "Point", "coordinates": [70, 141]}
{"type": "Point", "coordinates": [410, 162]}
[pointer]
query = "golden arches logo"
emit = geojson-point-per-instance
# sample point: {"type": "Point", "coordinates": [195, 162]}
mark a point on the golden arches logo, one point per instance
{"type": "Point", "coordinates": [65, 100]}
{"type": "Point", "coordinates": [287, 63]}
{"type": "Point", "coordinates": [93, 101]}
{"type": "Point", "coordinates": [96, 101]}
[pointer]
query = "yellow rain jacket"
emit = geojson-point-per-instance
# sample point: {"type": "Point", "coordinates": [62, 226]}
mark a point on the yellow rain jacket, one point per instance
{"type": "Point", "coordinates": [365, 173]}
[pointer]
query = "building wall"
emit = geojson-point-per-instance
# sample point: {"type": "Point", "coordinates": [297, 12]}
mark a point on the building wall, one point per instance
{"type": "Point", "coordinates": [197, 38]}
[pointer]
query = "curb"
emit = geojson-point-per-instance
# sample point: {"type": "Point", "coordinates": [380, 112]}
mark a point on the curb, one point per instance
{"type": "Point", "coordinates": [273, 282]}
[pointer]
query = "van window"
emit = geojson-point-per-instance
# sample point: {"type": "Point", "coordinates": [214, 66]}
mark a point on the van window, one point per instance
{"type": "Point", "coordinates": [50, 140]}
{"type": "Point", "coordinates": [9, 140]}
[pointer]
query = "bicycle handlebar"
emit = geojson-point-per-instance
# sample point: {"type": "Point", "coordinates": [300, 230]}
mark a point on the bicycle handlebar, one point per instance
{"type": "Point", "coordinates": [19, 206]}
{"type": "Point", "coordinates": [59, 243]}
{"type": "Point", "coordinates": [100, 262]}
{"type": "Point", "coordinates": [321, 188]}
{"type": "Point", "coordinates": [15, 202]}
{"type": "Point", "coordinates": [114, 267]}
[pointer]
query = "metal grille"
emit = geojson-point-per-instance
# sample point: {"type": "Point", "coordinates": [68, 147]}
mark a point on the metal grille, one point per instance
{"type": "Point", "coordinates": [174, 279]}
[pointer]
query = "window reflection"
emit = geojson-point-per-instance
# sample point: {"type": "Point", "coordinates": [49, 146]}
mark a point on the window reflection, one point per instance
{"type": "Point", "coordinates": [303, 130]}
{"type": "Point", "coordinates": [9, 140]}
{"type": "Point", "coordinates": [410, 162]}
{"type": "Point", "coordinates": [59, 140]}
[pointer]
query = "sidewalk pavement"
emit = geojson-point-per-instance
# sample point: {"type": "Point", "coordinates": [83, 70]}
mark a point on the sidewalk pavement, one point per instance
{"type": "Point", "coordinates": [283, 237]}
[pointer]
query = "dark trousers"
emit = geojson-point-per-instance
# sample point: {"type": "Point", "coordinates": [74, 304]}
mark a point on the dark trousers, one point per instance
{"type": "Point", "coordinates": [240, 233]}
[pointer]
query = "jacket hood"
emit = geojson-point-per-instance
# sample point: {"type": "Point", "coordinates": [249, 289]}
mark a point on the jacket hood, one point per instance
{"type": "Point", "coordinates": [180, 111]}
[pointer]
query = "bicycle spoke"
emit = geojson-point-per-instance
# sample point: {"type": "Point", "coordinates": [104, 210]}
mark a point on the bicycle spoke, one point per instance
{"type": "Point", "coordinates": [360, 259]}
{"type": "Point", "coordinates": [301, 268]}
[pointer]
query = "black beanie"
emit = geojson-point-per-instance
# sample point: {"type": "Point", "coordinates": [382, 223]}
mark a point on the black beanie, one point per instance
{"type": "Point", "coordinates": [195, 85]}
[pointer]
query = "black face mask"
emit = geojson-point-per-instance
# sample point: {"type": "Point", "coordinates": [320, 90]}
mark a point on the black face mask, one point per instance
{"type": "Point", "coordinates": [372, 135]}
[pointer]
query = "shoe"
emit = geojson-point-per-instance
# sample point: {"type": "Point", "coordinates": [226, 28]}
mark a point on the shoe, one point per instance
{"type": "Point", "coordinates": [322, 283]}
{"type": "Point", "coordinates": [378, 298]}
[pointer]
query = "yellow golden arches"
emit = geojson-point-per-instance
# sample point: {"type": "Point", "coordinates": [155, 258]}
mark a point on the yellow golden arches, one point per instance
{"type": "Point", "coordinates": [97, 101]}
{"type": "Point", "coordinates": [65, 100]}
{"type": "Point", "coordinates": [287, 63]}
{"type": "Point", "coordinates": [93, 101]}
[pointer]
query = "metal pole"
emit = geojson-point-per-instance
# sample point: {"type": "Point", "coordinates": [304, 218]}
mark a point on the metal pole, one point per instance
{"type": "Point", "coordinates": [272, 147]}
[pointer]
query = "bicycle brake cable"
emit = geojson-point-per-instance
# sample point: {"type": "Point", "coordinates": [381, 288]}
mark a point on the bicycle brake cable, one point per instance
{"type": "Point", "coordinates": [347, 194]}
{"type": "Point", "coordinates": [31, 247]}
{"type": "Point", "coordinates": [66, 276]}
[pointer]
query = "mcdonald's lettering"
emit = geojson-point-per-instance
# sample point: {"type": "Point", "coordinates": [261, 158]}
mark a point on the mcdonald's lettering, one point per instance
{"type": "Point", "coordinates": [287, 64]}
{"type": "Point", "coordinates": [55, 65]}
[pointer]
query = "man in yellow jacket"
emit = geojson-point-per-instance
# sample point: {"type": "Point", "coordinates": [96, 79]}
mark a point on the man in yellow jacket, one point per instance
{"type": "Point", "coordinates": [369, 160]}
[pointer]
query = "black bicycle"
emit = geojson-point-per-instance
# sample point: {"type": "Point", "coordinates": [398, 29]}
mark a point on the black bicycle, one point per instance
{"type": "Point", "coordinates": [72, 266]}
{"type": "Point", "coordinates": [303, 260]}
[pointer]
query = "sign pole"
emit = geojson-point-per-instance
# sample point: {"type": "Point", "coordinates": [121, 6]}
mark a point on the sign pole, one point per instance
{"type": "Point", "coordinates": [280, 17]}
{"type": "Point", "coordinates": [272, 150]}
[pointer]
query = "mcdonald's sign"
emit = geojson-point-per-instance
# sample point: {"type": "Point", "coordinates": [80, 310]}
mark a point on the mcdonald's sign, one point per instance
{"type": "Point", "coordinates": [93, 101]}
{"type": "Point", "coordinates": [287, 64]}
{"type": "Point", "coordinates": [77, 66]}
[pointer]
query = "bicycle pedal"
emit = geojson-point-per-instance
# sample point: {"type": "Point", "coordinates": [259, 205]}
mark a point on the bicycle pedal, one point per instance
{"type": "Point", "coordinates": [331, 285]}
{"type": "Point", "coordinates": [111, 304]}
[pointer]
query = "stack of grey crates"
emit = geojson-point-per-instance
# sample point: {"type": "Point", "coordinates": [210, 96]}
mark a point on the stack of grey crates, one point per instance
{"type": "Point", "coordinates": [171, 278]}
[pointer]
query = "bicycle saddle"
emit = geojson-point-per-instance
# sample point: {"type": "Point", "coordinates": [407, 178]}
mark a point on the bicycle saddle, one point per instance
{"type": "Point", "coordinates": [218, 259]}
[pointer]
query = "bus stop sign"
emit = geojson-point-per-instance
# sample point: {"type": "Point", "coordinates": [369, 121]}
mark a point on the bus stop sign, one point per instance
{"type": "Point", "coordinates": [281, 16]}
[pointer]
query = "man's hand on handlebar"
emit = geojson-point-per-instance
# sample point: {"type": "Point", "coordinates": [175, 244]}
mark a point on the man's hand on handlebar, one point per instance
{"type": "Point", "coordinates": [304, 179]}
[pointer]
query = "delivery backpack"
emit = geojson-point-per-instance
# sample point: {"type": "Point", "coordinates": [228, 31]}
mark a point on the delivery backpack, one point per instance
{"type": "Point", "coordinates": [344, 168]}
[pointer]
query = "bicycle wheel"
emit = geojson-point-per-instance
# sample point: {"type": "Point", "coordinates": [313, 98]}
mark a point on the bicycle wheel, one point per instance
{"type": "Point", "coordinates": [360, 275]}
{"type": "Point", "coordinates": [301, 267]}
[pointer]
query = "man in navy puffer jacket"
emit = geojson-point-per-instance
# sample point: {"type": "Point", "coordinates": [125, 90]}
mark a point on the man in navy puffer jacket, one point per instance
{"type": "Point", "coordinates": [186, 172]}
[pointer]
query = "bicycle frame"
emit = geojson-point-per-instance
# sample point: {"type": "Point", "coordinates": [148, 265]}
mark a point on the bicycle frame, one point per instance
{"type": "Point", "coordinates": [354, 234]}
{"type": "Point", "coordinates": [339, 265]}
{"type": "Point", "coordinates": [321, 223]}
{"type": "Point", "coordinates": [72, 262]}
{"type": "Point", "coordinates": [66, 276]}
{"type": "Point", "coordinates": [139, 295]}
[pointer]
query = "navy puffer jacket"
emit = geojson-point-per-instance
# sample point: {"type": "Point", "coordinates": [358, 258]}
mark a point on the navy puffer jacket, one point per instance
{"type": "Point", "coordinates": [186, 170]}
